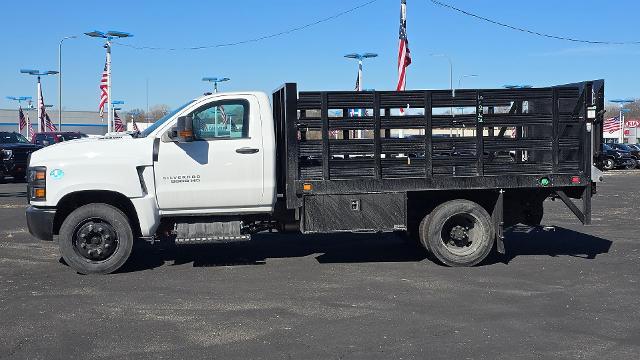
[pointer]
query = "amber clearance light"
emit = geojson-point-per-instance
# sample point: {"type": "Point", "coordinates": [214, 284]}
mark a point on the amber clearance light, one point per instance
{"type": "Point", "coordinates": [39, 193]}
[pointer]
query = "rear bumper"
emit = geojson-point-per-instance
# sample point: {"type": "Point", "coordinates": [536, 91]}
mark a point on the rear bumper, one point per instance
{"type": "Point", "coordinates": [40, 222]}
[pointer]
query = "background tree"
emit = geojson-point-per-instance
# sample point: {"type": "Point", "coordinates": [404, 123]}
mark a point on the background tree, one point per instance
{"type": "Point", "coordinates": [158, 111]}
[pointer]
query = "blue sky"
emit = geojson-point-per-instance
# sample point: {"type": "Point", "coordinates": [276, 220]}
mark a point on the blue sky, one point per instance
{"type": "Point", "coordinates": [312, 57]}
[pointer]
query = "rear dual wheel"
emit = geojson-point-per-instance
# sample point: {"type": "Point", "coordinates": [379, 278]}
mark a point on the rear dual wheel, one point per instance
{"type": "Point", "coordinates": [458, 233]}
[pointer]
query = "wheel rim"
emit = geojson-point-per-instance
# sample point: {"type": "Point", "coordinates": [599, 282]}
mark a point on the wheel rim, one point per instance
{"type": "Point", "coordinates": [95, 240]}
{"type": "Point", "coordinates": [461, 234]}
{"type": "Point", "coordinates": [609, 164]}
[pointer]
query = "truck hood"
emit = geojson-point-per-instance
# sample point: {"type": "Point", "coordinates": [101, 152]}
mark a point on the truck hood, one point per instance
{"type": "Point", "coordinates": [125, 150]}
{"type": "Point", "coordinates": [108, 165]}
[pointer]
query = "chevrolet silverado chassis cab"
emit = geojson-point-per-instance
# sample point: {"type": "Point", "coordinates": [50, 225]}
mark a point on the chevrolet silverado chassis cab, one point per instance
{"type": "Point", "coordinates": [451, 169]}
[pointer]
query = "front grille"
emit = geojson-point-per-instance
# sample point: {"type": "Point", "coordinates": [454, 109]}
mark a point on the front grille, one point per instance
{"type": "Point", "coordinates": [20, 156]}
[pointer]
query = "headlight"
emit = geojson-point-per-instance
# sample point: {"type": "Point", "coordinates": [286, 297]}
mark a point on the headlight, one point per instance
{"type": "Point", "coordinates": [6, 154]}
{"type": "Point", "coordinates": [37, 187]}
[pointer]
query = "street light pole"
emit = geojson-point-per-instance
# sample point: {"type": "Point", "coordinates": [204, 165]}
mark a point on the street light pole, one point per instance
{"type": "Point", "coordinates": [360, 58]}
{"type": "Point", "coordinates": [463, 77]}
{"type": "Point", "coordinates": [215, 81]}
{"type": "Point", "coordinates": [39, 73]}
{"type": "Point", "coordinates": [108, 36]}
{"type": "Point", "coordinates": [19, 99]}
{"type": "Point", "coordinates": [622, 103]}
{"type": "Point", "coordinates": [460, 87]}
{"type": "Point", "coordinates": [60, 80]}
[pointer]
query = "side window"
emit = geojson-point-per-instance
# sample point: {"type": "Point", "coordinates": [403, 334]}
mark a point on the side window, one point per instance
{"type": "Point", "coordinates": [227, 119]}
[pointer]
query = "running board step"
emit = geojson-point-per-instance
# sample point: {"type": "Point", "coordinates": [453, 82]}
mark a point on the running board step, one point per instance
{"type": "Point", "coordinates": [207, 233]}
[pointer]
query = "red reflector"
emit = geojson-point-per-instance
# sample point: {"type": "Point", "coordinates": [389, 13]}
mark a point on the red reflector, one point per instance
{"type": "Point", "coordinates": [575, 179]}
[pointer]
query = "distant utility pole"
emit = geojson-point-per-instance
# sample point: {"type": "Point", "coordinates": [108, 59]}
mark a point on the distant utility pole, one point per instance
{"type": "Point", "coordinates": [109, 36]}
{"type": "Point", "coordinates": [60, 80]}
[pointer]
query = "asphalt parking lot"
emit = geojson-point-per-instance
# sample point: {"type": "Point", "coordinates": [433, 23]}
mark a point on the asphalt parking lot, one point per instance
{"type": "Point", "coordinates": [572, 293]}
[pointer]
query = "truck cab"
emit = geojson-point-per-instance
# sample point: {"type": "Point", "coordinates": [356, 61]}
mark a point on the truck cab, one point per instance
{"type": "Point", "coordinates": [226, 167]}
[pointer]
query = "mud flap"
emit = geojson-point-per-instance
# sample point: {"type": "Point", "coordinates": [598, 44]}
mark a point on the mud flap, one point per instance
{"type": "Point", "coordinates": [498, 221]}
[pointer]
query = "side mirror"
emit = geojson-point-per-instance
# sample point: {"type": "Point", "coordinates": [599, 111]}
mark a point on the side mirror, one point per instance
{"type": "Point", "coordinates": [183, 130]}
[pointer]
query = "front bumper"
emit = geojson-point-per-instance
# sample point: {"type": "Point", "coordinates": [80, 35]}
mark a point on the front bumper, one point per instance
{"type": "Point", "coordinates": [15, 169]}
{"type": "Point", "coordinates": [40, 222]}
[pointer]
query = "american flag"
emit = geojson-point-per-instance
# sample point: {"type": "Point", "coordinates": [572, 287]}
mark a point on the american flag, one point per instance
{"type": "Point", "coordinates": [611, 125]}
{"type": "Point", "coordinates": [135, 126]}
{"type": "Point", "coordinates": [117, 123]}
{"type": "Point", "coordinates": [104, 94]}
{"type": "Point", "coordinates": [45, 120]}
{"type": "Point", "coordinates": [223, 116]}
{"type": "Point", "coordinates": [404, 55]}
{"type": "Point", "coordinates": [22, 122]}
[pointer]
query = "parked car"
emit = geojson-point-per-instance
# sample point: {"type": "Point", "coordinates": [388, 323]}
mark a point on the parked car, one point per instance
{"type": "Point", "coordinates": [50, 138]}
{"type": "Point", "coordinates": [610, 158]}
{"type": "Point", "coordinates": [632, 149]}
{"type": "Point", "coordinates": [14, 153]}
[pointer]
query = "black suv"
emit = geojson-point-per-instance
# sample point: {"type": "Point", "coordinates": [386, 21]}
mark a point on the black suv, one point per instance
{"type": "Point", "coordinates": [633, 151]}
{"type": "Point", "coordinates": [14, 153]}
{"type": "Point", "coordinates": [610, 158]}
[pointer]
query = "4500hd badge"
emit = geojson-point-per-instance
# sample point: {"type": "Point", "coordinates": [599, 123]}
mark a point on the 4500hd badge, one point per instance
{"type": "Point", "coordinates": [182, 179]}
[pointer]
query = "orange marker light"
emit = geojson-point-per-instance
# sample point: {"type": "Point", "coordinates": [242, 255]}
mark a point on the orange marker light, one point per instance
{"type": "Point", "coordinates": [40, 175]}
{"type": "Point", "coordinates": [39, 193]}
{"type": "Point", "coordinates": [307, 187]}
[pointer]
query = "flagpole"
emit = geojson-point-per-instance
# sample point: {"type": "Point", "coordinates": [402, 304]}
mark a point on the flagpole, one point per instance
{"type": "Point", "coordinates": [38, 105]}
{"type": "Point", "coordinates": [621, 139]}
{"type": "Point", "coordinates": [109, 106]}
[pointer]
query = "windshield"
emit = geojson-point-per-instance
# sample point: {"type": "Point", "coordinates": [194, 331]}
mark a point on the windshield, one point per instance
{"type": "Point", "coordinates": [624, 147]}
{"type": "Point", "coordinates": [12, 138]}
{"type": "Point", "coordinates": [162, 120]}
{"type": "Point", "coordinates": [606, 147]}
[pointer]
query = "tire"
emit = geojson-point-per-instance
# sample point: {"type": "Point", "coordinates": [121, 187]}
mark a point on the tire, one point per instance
{"type": "Point", "coordinates": [608, 164]}
{"type": "Point", "coordinates": [108, 239]}
{"type": "Point", "coordinates": [467, 229]}
{"type": "Point", "coordinates": [422, 232]}
{"type": "Point", "coordinates": [532, 215]}
{"type": "Point", "coordinates": [630, 166]}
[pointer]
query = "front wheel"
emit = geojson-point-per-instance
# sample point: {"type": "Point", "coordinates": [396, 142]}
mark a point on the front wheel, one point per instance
{"type": "Point", "coordinates": [459, 233]}
{"type": "Point", "coordinates": [630, 165]}
{"type": "Point", "coordinates": [96, 239]}
{"type": "Point", "coordinates": [609, 164]}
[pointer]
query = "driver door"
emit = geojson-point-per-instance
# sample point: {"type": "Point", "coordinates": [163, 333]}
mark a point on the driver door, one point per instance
{"type": "Point", "coordinates": [222, 169]}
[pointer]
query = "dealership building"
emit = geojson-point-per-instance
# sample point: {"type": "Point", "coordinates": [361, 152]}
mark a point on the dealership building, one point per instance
{"type": "Point", "coordinates": [88, 122]}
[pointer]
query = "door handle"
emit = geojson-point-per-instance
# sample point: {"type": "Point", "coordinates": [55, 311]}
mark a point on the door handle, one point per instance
{"type": "Point", "coordinates": [247, 150]}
